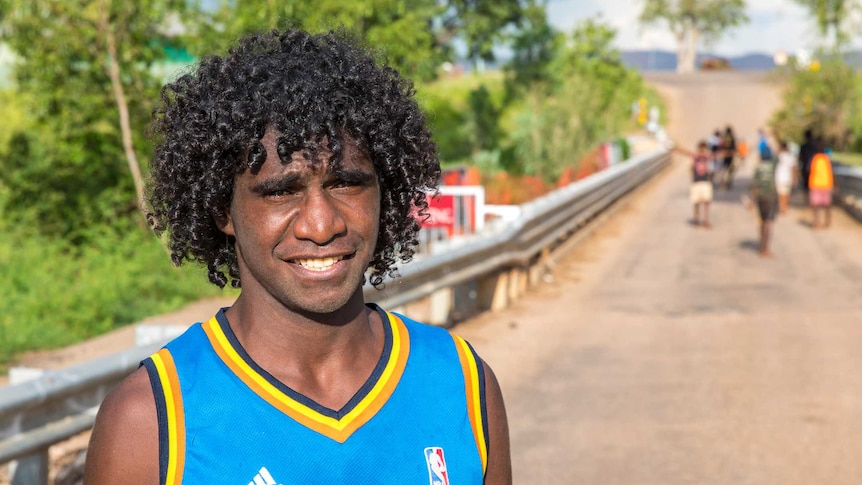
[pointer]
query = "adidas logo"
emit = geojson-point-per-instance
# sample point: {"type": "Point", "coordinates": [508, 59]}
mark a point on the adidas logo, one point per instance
{"type": "Point", "coordinates": [263, 477]}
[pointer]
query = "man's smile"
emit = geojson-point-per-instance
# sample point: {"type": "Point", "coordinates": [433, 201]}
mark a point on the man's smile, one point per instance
{"type": "Point", "coordinates": [319, 264]}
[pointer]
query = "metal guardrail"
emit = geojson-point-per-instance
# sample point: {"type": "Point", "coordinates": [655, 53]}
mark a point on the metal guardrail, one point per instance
{"type": "Point", "coordinates": [543, 223]}
{"type": "Point", "coordinates": [848, 182]}
{"type": "Point", "coordinates": [36, 414]}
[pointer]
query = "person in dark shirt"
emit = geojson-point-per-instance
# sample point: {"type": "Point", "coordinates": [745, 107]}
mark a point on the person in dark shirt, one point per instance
{"type": "Point", "coordinates": [765, 195]}
{"type": "Point", "coordinates": [807, 150]}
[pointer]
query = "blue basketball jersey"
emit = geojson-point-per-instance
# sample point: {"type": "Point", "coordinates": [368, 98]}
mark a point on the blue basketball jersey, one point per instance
{"type": "Point", "coordinates": [420, 418]}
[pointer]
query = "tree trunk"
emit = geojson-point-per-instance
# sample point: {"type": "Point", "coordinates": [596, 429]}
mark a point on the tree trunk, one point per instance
{"type": "Point", "coordinates": [686, 56]}
{"type": "Point", "coordinates": [122, 105]}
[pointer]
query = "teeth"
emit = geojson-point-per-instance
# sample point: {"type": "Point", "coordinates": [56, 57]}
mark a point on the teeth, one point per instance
{"type": "Point", "coordinates": [318, 264]}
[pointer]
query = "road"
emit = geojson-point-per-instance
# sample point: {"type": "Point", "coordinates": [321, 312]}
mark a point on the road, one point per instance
{"type": "Point", "coordinates": [659, 353]}
{"type": "Point", "coordinates": [666, 354]}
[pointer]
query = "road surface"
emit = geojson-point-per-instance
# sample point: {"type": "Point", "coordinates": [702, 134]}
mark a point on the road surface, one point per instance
{"type": "Point", "coordinates": [666, 354]}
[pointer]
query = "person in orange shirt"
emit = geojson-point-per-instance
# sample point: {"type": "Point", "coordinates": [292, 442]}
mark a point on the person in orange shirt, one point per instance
{"type": "Point", "coordinates": [742, 150]}
{"type": "Point", "coordinates": [820, 184]}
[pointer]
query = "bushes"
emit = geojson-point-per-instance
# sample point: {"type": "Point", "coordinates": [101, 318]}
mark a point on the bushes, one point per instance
{"type": "Point", "coordinates": [54, 294]}
{"type": "Point", "coordinates": [825, 100]}
{"type": "Point", "coordinates": [542, 125]}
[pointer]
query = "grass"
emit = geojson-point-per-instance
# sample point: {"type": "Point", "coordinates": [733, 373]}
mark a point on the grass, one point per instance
{"type": "Point", "coordinates": [847, 158]}
{"type": "Point", "coordinates": [55, 295]}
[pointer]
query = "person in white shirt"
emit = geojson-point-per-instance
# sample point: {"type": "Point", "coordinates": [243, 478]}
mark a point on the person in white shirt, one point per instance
{"type": "Point", "coordinates": [785, 176]}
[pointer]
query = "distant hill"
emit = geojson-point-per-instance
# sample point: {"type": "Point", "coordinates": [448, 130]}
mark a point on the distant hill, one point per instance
{"type": "Point", "coordinates": [658, 60]}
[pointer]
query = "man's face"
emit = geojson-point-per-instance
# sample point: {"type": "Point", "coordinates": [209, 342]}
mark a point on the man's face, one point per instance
{"type": "Point", "coordinates": [305, 234]}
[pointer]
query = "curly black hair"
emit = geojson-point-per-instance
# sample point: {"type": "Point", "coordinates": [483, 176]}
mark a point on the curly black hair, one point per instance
{"type": "Point", "coordinates": [309, 88]}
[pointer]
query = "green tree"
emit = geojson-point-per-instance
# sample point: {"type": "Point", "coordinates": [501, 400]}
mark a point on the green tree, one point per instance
{"type": "Point", "coordinates": [415, 36]}
{"type": "Point", "coordinates": [85, 73]}
{"type": "Point", "coordinates": [834, 19]}
{"type": "Point", "coordinates": [483, 24]}
{"type": "Point", "coordinates": [825, 100]}
{"type": "Point", "coordinates": [583, 100]}
{"type": "Point", "coordinates": [533, 48]}
{"type": "Point", "coordinates": [401, 29]}
{"type": "Point", "coordinates": [691, 20]}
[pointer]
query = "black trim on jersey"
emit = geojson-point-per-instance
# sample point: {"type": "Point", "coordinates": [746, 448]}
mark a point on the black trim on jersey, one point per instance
{"type": "Point", "coordinates": [363, 391]}
{"type": "Point", "coordinates": [480, 370]}
{"type": "Point", "coordinates": [162, 415]}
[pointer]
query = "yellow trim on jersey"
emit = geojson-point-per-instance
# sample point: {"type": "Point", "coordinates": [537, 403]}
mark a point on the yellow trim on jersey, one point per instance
{"type": "Point", "coordinates": [336, 429]}
{"type": "Point", "coordinates": [474, 396]}
{"type": "Point", "coordinates": [170, 385]}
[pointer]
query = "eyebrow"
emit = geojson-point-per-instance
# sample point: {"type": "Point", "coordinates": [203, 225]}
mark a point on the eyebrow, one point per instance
{"type": "Point", "coordinates": [355, 175]}
{"type": "Point", "coordinates": [273, 184]}
{"type": "Point", "coordinates": [282, 182]}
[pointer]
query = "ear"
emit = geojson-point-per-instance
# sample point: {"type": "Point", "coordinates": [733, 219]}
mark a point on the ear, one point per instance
{"type": "Point", "coordinates": [224, 223]}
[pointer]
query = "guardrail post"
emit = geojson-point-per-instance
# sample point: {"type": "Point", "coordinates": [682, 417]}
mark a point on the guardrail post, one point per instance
{"type": "Point", "coordinates": [31, 470]}
{"type": "Point", "coordinates": [516, 284]}
{"type": "Point", "coordinates": [523, 281]}
{"type": "Point", "coordinates": [497, 287]}
{"type": "Point", "coordinates": [538, 270]}
{"type": "Point", "coordinates": [441, 306]}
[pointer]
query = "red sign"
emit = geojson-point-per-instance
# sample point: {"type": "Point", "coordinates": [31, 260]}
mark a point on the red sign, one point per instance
{"type": "Point", "coordinates": [441, 212]}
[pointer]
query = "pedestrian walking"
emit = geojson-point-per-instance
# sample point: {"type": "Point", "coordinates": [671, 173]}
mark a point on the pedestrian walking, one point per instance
{"type": "Point", "coordinates": [820, 185]}
{"type": "Point", "coordinates": [807, 150]}
{"type": "Point", "coordinates": [728, 156]}
{"type": "Point", "coordinates": [765, 196]}
{"type": "Point", "coordinates": [700, 191]}
{"type": "Point", "coordinates": [785, 176]}
{"type": "Point", "coordinates": [764, 150]}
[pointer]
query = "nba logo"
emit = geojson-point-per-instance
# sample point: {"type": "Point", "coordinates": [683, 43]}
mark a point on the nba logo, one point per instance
{"type": "Point", "coordinates": [437, 473]}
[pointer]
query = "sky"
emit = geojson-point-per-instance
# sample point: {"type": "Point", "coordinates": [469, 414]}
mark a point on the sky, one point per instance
{"type": "Point", "coordinates": [774, 25]}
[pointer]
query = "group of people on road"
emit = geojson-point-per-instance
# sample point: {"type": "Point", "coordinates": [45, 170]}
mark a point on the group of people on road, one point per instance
{"type": "Point", "coordinates": [726, 151]}
{"type": "Point", "coordinates": [778, 171]}
{"type": "Point", "coordinates": [714, 165]}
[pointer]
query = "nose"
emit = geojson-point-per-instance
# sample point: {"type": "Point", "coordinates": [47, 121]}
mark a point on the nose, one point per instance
{"type": "Point", "coordinates": [319, 219]}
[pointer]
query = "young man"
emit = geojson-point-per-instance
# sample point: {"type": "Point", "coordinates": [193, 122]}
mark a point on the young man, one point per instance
{"type": "Point", "coordinates": [765, 196]}
{"type": "Point", "coordinates": [700, 191]}
{"type": "Point", "coordinates": [292, 167]}
{"type": "Point", "coordinates": [820, 185]}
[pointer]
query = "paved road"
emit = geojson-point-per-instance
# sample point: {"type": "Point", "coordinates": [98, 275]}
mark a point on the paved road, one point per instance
{"type": "Point", "coordinates": [666, 354]}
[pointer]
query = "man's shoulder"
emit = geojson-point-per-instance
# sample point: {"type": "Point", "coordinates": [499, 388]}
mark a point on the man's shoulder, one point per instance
{"type": "Point", "coordinates": [421, 328]}
{"type": "Point", "coordinates": [425, 335]}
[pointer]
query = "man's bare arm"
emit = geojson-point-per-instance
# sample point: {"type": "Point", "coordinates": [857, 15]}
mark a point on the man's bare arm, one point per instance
{"type": "Point", "coordinates": [499, 471]}
{"type": "Point", "coordinates": [124, 446]}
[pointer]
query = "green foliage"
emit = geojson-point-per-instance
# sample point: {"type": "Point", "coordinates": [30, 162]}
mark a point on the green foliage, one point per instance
{"type": "Point", "coordinates": [414, 36]}
{"type": "Point", "coordinates": [689, 20]}
{"type": "Point", "coordinates": [825, 100]}
{"type": "Point", "coordinates": [533, 48]}
{"type": "Point", "coordinates": [834, 18]}
{"type": "Point", "coordinates": [578, 95]}
{"type": "Point", "coordinates": [55, 293]}
{"type": "Point", "coordinates": [65, 167]}
{"type": "Point", "coordinates": [710, 17]}
{"type": "Point", "coordinates": [400, 28]}
{"type": "Point", "coordinates": [585, 99]}
{"type": "Point", "coordinates": [463, 114]}
{"type": "Point", "coordinates": [848, 158]}
{"type": "Point", "coordinates": [482, 24]}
